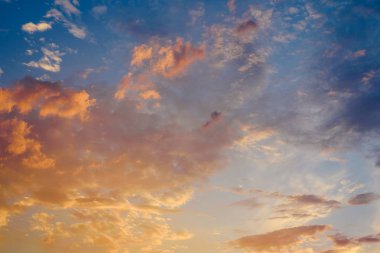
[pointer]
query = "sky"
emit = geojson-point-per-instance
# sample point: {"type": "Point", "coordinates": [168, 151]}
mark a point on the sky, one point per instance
{"type": "Point", "coordinates": [226, 126]}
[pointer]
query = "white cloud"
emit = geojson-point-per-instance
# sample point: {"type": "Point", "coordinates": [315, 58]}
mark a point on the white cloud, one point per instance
{"type": "Point", "coordinates": [1, 72]}
{"type": "Point", "coordinates": [32, 28]}
{"type": "Point", "coordinates": [68, 7]}
{"type": "Point", "coordinates": [50, 60]}
{"type": "Point", "coordinates": [76, 31]}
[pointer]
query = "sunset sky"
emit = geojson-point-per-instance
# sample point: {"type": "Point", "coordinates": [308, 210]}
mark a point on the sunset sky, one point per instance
{"type": "Point", "coordinates": [178, 126]}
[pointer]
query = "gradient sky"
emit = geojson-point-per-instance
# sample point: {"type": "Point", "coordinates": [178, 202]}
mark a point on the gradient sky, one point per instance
{"type": "Point", "coordinates": [236, 126]}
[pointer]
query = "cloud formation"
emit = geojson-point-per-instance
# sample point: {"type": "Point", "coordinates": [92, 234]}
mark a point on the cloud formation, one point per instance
{"type": "Point", "coordinates": [80, 161]}
{"type": "Point", "coordinates": [49, 99]}
{"type": "Point", "coordinates": [246, 27]}
{"type": "Point", "coordinates": [275, 241]}
{"type": "Point", "coordinates": [68, 7]}
{"type": "Point", "coordinates": [290, 207]}
{"type": "Point", "coordinates": [343, 243]}
{"type": "Point", "coordinates": [168, 60]}
{"type": "Point", "coordinates": [50, 61]}
{"type": "Point", "coordinates": [107, 159]}
{"type": "Point", "coordinates": [32, 28]}
{"type": "Point", "coordinates": [364, 198]}
{"type": "Point", "coordinates": [75, 30]}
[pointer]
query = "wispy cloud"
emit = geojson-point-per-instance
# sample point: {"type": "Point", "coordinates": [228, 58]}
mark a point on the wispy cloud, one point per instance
{"type": "Point", "coordinates": [279, 239]}
{"type": "Point", "coordinates": [68, 7]}
{"type": "Point", "coordinates": [364, 198]}
{"type": "Point", "coordinates": [75, 30]}
{"type": "Point", "coordinates": [99, 10]}
{"type": "Point", "coordinates": [50, 61]}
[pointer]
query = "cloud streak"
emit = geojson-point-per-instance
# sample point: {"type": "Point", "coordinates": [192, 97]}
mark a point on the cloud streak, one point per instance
{"type": "Point", "coordinates": [279, 239]}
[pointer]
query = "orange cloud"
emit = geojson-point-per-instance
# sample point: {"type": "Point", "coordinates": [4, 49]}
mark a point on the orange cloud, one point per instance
{"type": "Point", "coordinates": [168, 60]}
{"type": "Point", "coordinates": [140, 54]}
{"type": "Point", "coordinates": [175, 59]}
{"type": "Point", "coordinates": [15, 141]}
{"type": "Point", "coordinates": [123, 86]}
{"type": "Point", "coordinates": [150, 94]}
{"type": "Point", "coordinates": [119, 162]}
{"type": "Point", "coordinates": [138, 88]}
{"type": "Point", "coordinates": [278, 239]}
{"type": "Point", "coordinates": [50, 99]}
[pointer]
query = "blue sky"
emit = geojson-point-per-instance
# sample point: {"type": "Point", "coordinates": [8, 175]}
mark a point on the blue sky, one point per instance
{"type": "Point", "coordinates": [189, 126]}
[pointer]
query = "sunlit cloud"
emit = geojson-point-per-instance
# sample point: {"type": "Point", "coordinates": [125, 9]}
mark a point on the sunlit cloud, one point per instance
{"type": "Point", "coordinates": [50, 61]}
{"type": "Point", "coordinates": [181, 126]}
{"type": "Point", "coordinates": [275, 241]}
{"type": "Point", "coordinates": [32, 28]}
{"type": "Point", "coordinates": [75, 30]}
{"type": "Point", "coordinates": [68, 6]}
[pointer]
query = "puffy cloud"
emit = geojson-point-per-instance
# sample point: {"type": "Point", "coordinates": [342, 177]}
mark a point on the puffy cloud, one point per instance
{"type": "Point", "coordinates": [15, 131]}
{"type": "Point", "coordinates": [140, 87]}
{"type": "Point", "coordinates": [32, 28]}
{"type": "Point", "coordinates": [112, 175]}
{"type": "Point", "coordinates": [169, 60]}
{"type": "Point", "coordinates": [150, 94]}
{"type": "Point", "coordinates": [49, 99]}
{"type": "Point", "coordinates": [364, 198]}
{"type": "Point", "coordinates": [173, 60]}
{"type": "Point", "coordinates": [277, 240]}
{"type": "Point", "coordinates": [15, 142]}
{"type": "Point", "coordinates": [141, 53]}
{"type": "Point", "coordinates": [1, 72]}
{"type": "Point", "coordinates": [50, 61]}
{"type": "Point", "coordinates": [152, 60]}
